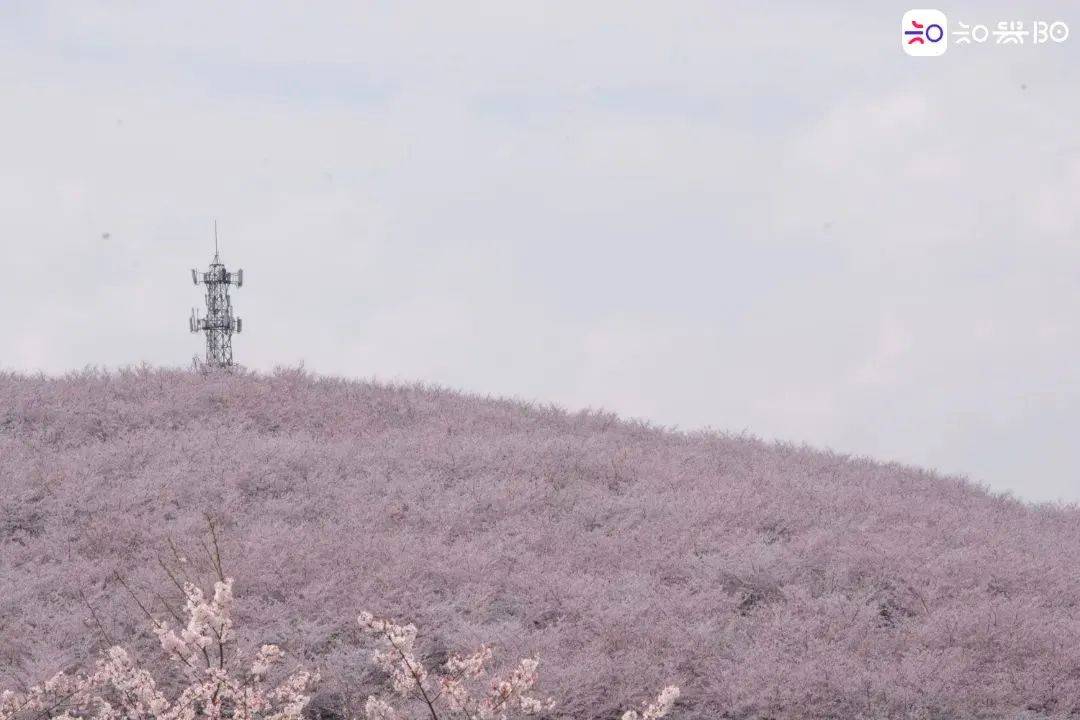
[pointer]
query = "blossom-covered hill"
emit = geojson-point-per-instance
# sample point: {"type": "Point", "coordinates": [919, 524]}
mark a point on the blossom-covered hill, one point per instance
{"type": "Point", "coordinates": [766, 580]}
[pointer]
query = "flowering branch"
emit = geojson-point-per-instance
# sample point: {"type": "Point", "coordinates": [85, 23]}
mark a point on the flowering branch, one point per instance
{"type": "Point", "coordinates": [118, 688]}
{"type": "Point", "coordinates": [462, 692]}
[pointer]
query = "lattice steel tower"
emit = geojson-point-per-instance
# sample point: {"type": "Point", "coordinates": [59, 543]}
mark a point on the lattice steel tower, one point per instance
{"type": "Point", "coordinates": [219, 323]}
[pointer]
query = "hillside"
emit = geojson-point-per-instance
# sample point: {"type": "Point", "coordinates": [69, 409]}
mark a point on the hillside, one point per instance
{"type": "Point", "coordinates": [766, 580]}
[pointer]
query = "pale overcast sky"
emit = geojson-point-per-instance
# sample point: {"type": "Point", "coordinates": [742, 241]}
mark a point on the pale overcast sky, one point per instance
{"type": "Point", "coordinates": [759, 216]}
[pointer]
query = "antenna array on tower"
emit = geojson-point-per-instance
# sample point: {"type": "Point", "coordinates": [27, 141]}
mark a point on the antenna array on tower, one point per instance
{"type": "Point", "coordinates": [219, 323]}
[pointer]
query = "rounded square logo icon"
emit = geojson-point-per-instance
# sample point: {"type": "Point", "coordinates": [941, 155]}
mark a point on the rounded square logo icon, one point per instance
{"type": "Point", "coordinates": [924, 33]}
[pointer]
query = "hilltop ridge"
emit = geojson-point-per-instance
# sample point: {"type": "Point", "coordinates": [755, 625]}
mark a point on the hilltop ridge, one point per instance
{"type": "Point", "coordinates": [767, 580]}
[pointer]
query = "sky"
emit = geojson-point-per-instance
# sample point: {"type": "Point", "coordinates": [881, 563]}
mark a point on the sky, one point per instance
{"type": "Point", "coordinates": [749, 217]}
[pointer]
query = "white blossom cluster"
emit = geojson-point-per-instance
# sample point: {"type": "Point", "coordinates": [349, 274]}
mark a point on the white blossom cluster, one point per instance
{"type": "Point", "coordinates": [461, 690]}
{"type": "Point", "coordinates": [120, 690]}
{"type": "Point", "coordinates": [658, 708]}
{"type": "Point", "coordinates": [209, 624]}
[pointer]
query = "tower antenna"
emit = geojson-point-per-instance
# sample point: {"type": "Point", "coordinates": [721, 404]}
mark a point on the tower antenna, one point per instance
{"type": "Point", "coordinates": [219, 323]}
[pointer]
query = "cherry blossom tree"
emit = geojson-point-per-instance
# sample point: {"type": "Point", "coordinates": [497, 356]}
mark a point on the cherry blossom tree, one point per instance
{"type": "Point", "coordinates": [765, 579]}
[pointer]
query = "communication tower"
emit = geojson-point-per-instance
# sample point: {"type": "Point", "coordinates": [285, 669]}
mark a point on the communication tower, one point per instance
{"type": "Point", "coordinates": [219, 323]}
